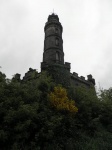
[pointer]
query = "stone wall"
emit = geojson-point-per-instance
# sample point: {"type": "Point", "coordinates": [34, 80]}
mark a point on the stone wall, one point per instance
{"type": "Point", "coordinates": [81, 81]}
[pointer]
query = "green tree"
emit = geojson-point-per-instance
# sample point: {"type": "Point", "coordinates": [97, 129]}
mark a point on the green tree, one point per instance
{"type": "Point", "coordinates": [28, 122]}
{"type": "Point", "coordinates": [106, 108]}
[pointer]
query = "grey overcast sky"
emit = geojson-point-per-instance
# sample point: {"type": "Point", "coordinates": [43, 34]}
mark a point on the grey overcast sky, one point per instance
{"type": "Point", "coordinates": [87, 36]}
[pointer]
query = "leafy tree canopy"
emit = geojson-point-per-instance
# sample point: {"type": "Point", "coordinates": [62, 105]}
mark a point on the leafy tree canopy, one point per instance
{"type": "Point", "coordinates": [36, 115]}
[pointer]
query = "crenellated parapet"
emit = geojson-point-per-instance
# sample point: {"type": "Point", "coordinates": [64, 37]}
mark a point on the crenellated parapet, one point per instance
{"type": "Point", "coordinates": [91, 79]}
{"type": "Point", "coordinates": [53, 21]}
{"type": "Point", "coordinates": [16, 77]}
{"type": "Point", "coordinates": [31, 75]}
{"type": "Point", "coordinates": [80, 80]}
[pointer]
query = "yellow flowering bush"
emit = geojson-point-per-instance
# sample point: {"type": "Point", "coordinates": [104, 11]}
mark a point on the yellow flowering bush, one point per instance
{"type": "Point", "coordinates": [60, 100]}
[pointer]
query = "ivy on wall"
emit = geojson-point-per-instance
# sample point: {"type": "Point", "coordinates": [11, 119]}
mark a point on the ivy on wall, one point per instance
{"type": "Point", "coordinates": [60, 74]}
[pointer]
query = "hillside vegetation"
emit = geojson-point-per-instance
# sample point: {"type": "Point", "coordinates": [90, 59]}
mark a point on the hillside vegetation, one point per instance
{"type": "Point", "coordinates": [40, 115]}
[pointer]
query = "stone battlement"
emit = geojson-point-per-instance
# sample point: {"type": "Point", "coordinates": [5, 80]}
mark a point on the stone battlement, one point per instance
{"type": "Point", "coordinates": [80, 80]}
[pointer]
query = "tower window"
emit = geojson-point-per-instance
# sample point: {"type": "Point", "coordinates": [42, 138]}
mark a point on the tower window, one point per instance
{"type": "Point", "coordinates": [57, 42]}
{"type": "Point", "coordinates": [58, 57]}
{"type": "Point", "coordinates": [56, 30]}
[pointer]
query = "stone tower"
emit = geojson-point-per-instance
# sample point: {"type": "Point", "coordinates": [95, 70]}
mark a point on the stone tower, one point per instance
{"type": "Point", "coordinates": [53, 60]}
{"type": "Point", "coordinates": [53, 57]}
{"type": "Point", "coordinates": [53, 43]}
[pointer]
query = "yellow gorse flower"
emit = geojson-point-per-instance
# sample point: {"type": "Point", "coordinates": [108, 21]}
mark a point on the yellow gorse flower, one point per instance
{"type": "Point", "coordinates": [60, 100]}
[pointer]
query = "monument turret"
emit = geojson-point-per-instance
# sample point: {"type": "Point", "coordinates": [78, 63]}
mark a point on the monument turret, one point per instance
{"type": "Point", "coordinates": [53, 43]}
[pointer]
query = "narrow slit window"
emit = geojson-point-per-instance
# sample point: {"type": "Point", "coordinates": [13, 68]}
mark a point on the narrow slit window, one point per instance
{"type": "Point", "coordinates": [56, 30]}
{"type": "Point", "coordinates": [57, 56]}
{"type": "Point", "coordinates": [57, 42]}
